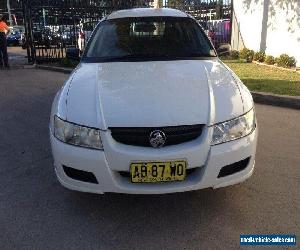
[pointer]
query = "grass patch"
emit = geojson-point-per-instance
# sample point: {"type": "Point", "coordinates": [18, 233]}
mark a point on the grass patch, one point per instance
{"type": "Point", "coordinates": [265, 79]}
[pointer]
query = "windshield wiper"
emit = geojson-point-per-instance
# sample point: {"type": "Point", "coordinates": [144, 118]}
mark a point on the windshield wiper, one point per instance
{"type": "Point", "coordinates": [135, 56]}
{"type": "Point", "coordinates": [151, 56]}
{"type": "Point", "coordinates": [200, 55]}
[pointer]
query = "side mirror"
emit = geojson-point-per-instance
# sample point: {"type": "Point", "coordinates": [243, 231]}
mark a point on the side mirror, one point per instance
{"type": "Point", "coordinates": [73, 54]}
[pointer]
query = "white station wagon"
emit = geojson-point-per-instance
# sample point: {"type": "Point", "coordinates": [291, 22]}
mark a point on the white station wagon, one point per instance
{"type": "Point", "coordinates": [151, 109]}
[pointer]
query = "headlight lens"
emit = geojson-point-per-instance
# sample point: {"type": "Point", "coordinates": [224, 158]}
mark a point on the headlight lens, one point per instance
{"type": "Point", "coordinates": [234, 129]}
{"type": "Point", "coordinates": [77, 135]}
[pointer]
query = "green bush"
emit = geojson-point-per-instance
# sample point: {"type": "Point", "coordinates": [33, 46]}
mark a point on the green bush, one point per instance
{"type": "Point", "coordinates": [234, 54]}
{"type": "Point", "coordinates": [259, 56]}
{"type": "Point", "coordinates": [270, 60]}
{"type": "Point", "coordinates": [68, 63]}
{"type": "Point", "coordinates": [247, 54]}
{"type": "Point", "coordinates": [286, 61]}
{"type": "Point", "coordinates": [243, 53]}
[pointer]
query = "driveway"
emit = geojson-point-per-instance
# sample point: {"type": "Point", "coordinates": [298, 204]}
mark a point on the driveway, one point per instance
{"type": "Point", "coordinates": [17, 56]}
{"type": "Point", "coordinates": [36, 212]}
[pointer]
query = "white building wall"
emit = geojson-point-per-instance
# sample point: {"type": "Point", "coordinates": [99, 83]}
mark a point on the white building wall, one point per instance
{"type": "Point", "coordinates": [281, 22]}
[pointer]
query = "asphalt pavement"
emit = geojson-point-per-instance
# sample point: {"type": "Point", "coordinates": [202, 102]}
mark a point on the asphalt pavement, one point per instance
{"type": "Point", "coordinates": [36, 212]}
{"type": "Point", "coordinates": [17, 57]}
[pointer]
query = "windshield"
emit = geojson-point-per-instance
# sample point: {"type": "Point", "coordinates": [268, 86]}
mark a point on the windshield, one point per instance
{"type": "Point", "coordinates": [148, 38]}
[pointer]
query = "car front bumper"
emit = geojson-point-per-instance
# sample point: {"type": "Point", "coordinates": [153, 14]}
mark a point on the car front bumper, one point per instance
{"type": "Point", "coordinates": [109, 180]}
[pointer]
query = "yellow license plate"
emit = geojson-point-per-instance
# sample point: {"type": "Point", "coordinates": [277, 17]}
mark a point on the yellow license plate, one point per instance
{"type": "Point", "coordinates": [158, 171]}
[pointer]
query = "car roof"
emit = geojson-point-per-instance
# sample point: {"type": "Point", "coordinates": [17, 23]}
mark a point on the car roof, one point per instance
{"type": "Point", "coordinates": [146, 12]}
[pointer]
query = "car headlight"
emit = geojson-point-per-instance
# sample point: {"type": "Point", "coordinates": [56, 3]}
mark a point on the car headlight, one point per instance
{"type": "Point", "coordinates": [234, 129]}
{"type": "Point", "coordinates": [77, 135]}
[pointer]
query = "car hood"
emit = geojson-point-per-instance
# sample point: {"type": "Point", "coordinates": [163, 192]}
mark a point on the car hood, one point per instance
{"type": "Point", "coordinates": [153, 94]}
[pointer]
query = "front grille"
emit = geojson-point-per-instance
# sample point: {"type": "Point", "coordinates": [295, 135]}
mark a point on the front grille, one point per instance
{"type": "Point", "coordinates": [139, 136]}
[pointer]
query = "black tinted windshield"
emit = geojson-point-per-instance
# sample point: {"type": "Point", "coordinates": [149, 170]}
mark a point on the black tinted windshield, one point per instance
{"type": "Point", "coordinates": [148, 38]}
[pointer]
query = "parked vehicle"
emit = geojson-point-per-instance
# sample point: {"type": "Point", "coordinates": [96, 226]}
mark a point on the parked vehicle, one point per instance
{"type": "Point", "coordinates": [13, 38]}
{"type": "Point", "coordinates": [42, 37]}
{"type": "Point", "coordinates": [151, 109]}
{"type": "Point", "coordinates": [19, 28]}
{"type": "Point", "coordinates": [51, 36]}
{"type": "Point", "coordinates": [219, 31]}
{"type": "Point", "coordinates": [67, 35]}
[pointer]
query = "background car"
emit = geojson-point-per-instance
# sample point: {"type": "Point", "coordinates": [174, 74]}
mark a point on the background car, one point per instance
{"type": "Point", "coordinates": [218, 31]}
{"type": "Point", "coordinates": [67, 35]}
{"type": "Point", "coordinates": [13, 38]}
